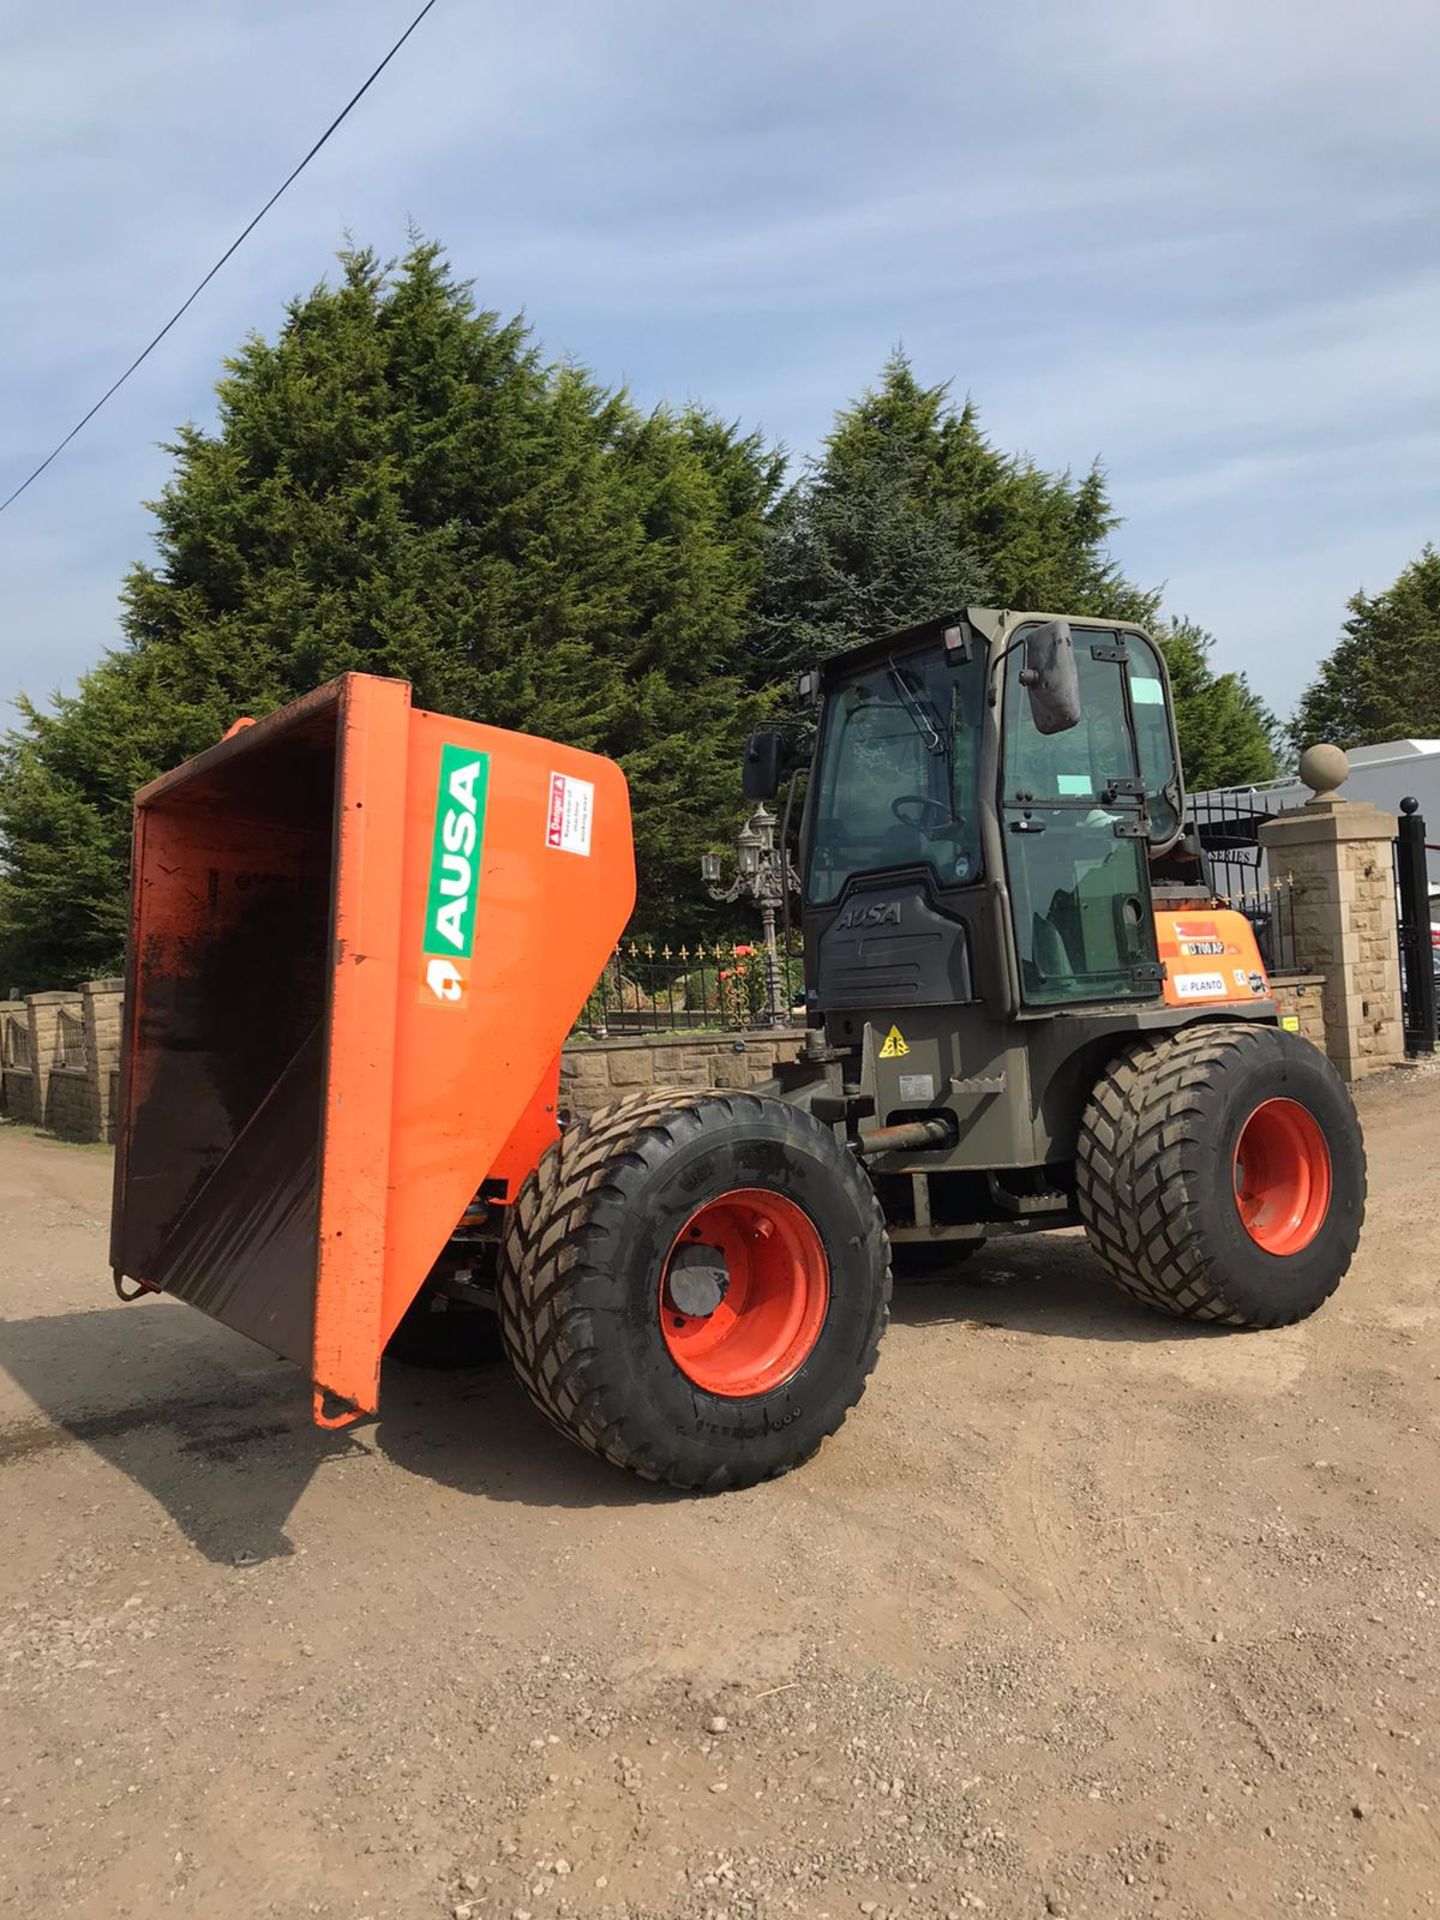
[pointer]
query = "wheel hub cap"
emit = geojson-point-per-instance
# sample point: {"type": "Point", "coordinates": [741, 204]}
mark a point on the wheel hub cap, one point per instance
{"type": "Point", "coordinates": [744, 1293]}
{"type": "Point", "coordinates": [1282, 1177]}
{"type": "Point", "coordinates": [699, 1280]}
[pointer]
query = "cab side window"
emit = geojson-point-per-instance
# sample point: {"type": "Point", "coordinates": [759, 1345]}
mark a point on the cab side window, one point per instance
{"type": "Point", "coordinates": [1158, 766]}
{"type": "Point", "coordinates": [1075, 849]}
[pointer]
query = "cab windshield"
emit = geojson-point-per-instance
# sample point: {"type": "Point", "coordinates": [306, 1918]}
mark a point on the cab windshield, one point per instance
{"type": "Point", "coordinates": [897, 782]}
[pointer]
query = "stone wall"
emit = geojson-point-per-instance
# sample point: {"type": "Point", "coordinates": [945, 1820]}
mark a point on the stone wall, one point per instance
{"type": "Point", "coordinates": [17, 1096]}
{"type": "Point", "coordinates": [595, 1072]}
{"type": "Point", "coordinates": [56, 1030]}
{"type": "Point", "coordinates": [76, 1037]}
{"type": "Point", "coordinates": [44, 1082]}
{"type": "Point", "coordinates": [1301, 998]}
{"type": "Point", "coordinates": [17, 1082]}
{"type": "Point", "coordinates": [78, 1099]}
{"type": "Point", "coordinates": [71, 1107]}
{"type": "Point", "coordinates": [61, 1055]}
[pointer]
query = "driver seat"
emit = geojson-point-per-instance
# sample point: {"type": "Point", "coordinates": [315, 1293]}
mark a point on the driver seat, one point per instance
{"type": "Point", "coordinates": [897, 847]}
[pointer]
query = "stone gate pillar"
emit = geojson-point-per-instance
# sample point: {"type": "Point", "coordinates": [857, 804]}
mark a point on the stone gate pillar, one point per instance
{"type": "Point", "coordinates": [1338, 855]}
{"type": "Point", "coordinates": [103, 1006]}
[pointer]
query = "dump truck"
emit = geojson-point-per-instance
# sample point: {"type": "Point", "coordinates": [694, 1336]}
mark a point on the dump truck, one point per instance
{"type": "Point", "coordinates": [362, 933]}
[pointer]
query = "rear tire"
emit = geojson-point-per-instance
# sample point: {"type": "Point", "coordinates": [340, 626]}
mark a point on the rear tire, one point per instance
{"type": "Point", "coordinates": [596, 1337]}
{"type": "Point", "coordinates": [1221, 1174]}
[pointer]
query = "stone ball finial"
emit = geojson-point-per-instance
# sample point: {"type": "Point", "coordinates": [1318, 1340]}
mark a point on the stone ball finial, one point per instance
{"type": "Point", "coordinates": [1324, 768]}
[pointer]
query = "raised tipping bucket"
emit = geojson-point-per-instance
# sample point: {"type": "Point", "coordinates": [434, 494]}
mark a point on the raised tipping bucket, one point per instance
{"type": "Point", "coordinates": [360, 934]}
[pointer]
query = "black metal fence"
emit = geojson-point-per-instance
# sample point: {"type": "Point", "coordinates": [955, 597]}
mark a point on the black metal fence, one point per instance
{"type": "Point", "coordinates": [1228, 826]}
{"type": "Point", "coordinates": [716, 986]}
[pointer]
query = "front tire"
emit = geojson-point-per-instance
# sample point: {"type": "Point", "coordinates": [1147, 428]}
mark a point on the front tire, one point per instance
{"type": "Point", "coordinates": [1220, 1174]}
{"type": "Point", "coordinates": [694, 1286]}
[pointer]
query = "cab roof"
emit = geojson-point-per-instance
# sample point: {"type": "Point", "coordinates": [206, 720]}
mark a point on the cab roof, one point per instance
{"type": "Point", "coordinates": [984, 624]}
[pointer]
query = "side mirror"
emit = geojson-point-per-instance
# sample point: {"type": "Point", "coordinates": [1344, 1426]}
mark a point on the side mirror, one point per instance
{"type": "Point", "coordinates": [1050, 677]}
{"type": "Point", "coordinates": [760, 767]}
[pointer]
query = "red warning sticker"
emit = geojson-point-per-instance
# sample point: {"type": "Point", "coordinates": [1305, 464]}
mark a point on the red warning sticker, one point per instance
{"type": "Point", "coordinates": [572, 808]}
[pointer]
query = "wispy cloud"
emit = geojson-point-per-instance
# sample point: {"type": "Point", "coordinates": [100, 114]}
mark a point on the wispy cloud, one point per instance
{"type": "Point", "coordinates": [1196, 241]}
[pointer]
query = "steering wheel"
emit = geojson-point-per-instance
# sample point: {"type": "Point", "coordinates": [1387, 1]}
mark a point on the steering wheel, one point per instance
{"type": "Point", "coordinates": [923, 815]}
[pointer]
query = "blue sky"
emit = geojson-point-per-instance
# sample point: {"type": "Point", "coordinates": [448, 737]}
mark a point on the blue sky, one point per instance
{"type": "Point", "coordinates": [1198, 240]}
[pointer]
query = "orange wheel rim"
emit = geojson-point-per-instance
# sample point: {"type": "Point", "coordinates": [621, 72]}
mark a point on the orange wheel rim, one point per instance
{"type": "Point", "coordinates": [1282, 1176]}
{"type": "Point", "coordinates": [773, 1299]}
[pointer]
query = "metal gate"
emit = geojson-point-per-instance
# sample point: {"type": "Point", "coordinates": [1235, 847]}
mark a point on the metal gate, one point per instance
{"type": "Point", "coordinates": [1419, 953]}
{"type": "Point", "coordinates": [1227, 825]}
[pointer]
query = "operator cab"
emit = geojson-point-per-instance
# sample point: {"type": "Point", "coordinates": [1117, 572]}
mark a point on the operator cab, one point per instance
{"type": "Point", "coordinates": [985, 794]}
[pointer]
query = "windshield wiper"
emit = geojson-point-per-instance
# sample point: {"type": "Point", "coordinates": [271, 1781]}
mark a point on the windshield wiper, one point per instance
{"type": "Point", "coordinates": [926, 720]}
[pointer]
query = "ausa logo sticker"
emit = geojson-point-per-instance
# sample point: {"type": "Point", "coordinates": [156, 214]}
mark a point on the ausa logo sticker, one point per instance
{"type": "Point", "coordinates": [455, 851]}
{"type": "Point", "coordinates": [896, 1045]}
{"type": "Point", "coordinates": [884, 913]}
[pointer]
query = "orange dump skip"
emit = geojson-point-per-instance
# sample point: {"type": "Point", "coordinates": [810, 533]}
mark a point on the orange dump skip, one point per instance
{"type": "Point", "coordinates": [359, 936]}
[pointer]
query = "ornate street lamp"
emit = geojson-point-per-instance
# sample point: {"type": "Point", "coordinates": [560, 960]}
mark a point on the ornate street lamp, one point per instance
{"type": "Point", "coordinates": [762, 874]}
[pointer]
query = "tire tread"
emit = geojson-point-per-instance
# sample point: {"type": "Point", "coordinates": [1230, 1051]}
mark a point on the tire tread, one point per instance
{"type": "Point", "coordinates": [551, 1248]}
{"type": "Point", "coordinates": [1141, 1167]}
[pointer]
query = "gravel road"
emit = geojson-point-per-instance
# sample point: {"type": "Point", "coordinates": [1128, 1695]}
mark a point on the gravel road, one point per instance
{"type": "Point", "coordinates": [1083, 1613]}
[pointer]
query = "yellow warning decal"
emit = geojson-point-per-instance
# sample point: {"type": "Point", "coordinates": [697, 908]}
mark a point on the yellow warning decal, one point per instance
{"type": "Point", "coordinates": [1290, 1022]}
{"type": "Point", "coordinates": [896, 1045]}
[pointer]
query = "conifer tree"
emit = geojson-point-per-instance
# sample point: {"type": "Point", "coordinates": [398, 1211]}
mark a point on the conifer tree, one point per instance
{"type": "Point", "coordinates": [909, 512]}
{"type": "Point", "coordinates": [397, 484]}
{"type": "Point", "coordinates": [1382, 681]}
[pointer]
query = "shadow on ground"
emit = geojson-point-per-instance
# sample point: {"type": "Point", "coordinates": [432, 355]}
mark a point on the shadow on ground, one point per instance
{"type": "Point", "coordinates": [1048, 1284]}
{"type": "Point", "coordinates": [219, 1434]}
{"type": "Point", "coordinates": [213, 1429]}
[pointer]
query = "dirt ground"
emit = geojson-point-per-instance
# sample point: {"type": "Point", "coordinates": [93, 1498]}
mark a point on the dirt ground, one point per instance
{"type": "Point", "coordinates": [1083, 1613]}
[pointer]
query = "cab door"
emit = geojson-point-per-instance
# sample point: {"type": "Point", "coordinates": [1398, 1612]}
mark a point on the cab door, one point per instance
{"type": "Point", "coordinates": [1076, 837]}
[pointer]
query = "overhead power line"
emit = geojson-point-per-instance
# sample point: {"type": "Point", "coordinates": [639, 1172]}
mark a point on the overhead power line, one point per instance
{"type": "Point", "coordinates": [234, 245]}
